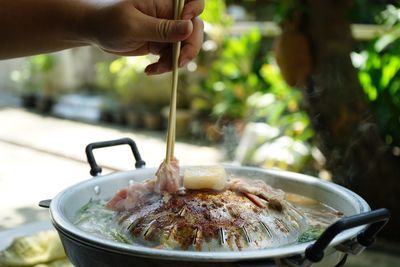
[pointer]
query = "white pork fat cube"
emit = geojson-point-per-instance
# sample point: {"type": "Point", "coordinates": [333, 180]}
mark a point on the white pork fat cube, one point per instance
{"type": "Point", "coordinates": [206, 177]}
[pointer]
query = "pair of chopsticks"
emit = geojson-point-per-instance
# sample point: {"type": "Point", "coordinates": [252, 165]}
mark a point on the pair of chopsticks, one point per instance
{"type": "Point", "coordinates": [178, 8]}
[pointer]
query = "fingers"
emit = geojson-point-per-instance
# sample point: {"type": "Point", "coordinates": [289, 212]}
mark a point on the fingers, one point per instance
{"type": "Point", "coordinates": [162, 30]}
{"type": "Point", "coordinates": [192, 45]}
{"type": "Point", "coordinates": [192, 9]}
{"type": "Point", "coordinates": [164, 64]}
{"type": "Point", "coordinates": [189, 50]}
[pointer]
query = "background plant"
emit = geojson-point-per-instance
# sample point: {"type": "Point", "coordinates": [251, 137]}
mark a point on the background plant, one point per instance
{"type": "Point", "coordinates": [36, 75]}
{"type": "Point", "coordinates": [379, 75]}
{"type": "Point", "coordinates": [243, 83]}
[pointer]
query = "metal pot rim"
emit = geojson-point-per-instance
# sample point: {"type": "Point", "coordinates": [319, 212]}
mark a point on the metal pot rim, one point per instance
{"type": "Point", "coordinates": [62, 223]}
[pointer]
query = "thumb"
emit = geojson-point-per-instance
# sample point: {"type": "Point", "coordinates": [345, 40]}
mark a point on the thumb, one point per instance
{"type": "Point", "coordinates": [162, 30]}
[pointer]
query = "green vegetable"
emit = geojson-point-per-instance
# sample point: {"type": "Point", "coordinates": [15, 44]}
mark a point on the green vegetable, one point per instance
{"type": "Point", "coordinates": [86, 206]}
{"type": "Point", "coordinates": [311, 234]}
{"type": "Point", "coordinates": [120, 238]}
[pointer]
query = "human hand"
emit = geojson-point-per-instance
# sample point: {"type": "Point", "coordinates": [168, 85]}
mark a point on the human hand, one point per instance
{"type": "Point", "coordinates": [140, 27]}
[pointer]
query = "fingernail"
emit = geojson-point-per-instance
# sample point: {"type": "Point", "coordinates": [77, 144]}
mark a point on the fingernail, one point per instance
{"type": "Point", "coordinates": [184, 62]}
{"type": "Point", "coordinates": [182, 27]}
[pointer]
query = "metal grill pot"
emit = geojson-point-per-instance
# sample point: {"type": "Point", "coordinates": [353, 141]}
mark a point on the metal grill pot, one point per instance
{"type": "Point", "coordinates": [350, 234]}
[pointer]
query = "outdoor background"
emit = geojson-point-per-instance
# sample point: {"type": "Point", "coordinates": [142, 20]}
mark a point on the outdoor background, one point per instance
{"type": "Point", "coordinates": [307, 86]}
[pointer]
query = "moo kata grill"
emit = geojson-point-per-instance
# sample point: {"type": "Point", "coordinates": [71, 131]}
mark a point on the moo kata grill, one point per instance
{"type": "Point", "coordinates": [258, 242]}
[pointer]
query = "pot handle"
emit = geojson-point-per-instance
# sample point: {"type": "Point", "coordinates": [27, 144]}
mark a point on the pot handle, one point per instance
{"type": "Point", "coordinates": [45, 203]}
{"type": "Point", "coordinates": [96, 169]}
{"type": "Point", "coordinates": [376, 220]}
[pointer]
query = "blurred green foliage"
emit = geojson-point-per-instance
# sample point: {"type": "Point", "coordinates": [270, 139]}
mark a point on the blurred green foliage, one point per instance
{"type": "Point", "coordinates": [232, 77]}
{"type": "Point", "coordinates": [379, 74]}
{"type": "Point", "coordinates": [34, 78]}
{"type": "Point", "coordinates": [243, 83]}
{"type": "Point", "coordinates": [279, 105]}
{"type": "Point", "coordinates": [241, 89]}
{"type": "Point", "coordinates": [215, 13]}
{"type": "Point", "coordinates": [118, 76]}
{"type": "Point", "coordinates": [126, 85]}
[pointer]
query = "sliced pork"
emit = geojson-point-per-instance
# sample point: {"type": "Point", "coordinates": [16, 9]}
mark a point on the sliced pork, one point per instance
{"type": "Point", "coordinates": [129, 197]}
{"type": "Point", "coordinates": [167, 180]}
{"type": "Point", "coordinates": [168, 177]}
{"type": "Point", "coordinates": [259, 192]}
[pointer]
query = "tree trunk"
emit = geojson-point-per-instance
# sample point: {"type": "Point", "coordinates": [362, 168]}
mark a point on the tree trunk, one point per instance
{"type": "Point", "coordinates": [346, 131]}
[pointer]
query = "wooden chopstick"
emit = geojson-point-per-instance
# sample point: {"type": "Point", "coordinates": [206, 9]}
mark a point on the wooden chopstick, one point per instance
{"type": "Point", "coordinates": [176, 47]}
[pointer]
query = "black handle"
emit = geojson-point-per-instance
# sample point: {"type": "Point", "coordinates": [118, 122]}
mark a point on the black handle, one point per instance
{"type": "Point", "coordinates": [96, 169]}
{"type": "Point", "coordinates": [45, 203]}
{"type": "Point", "coordinates": [376, 220]}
